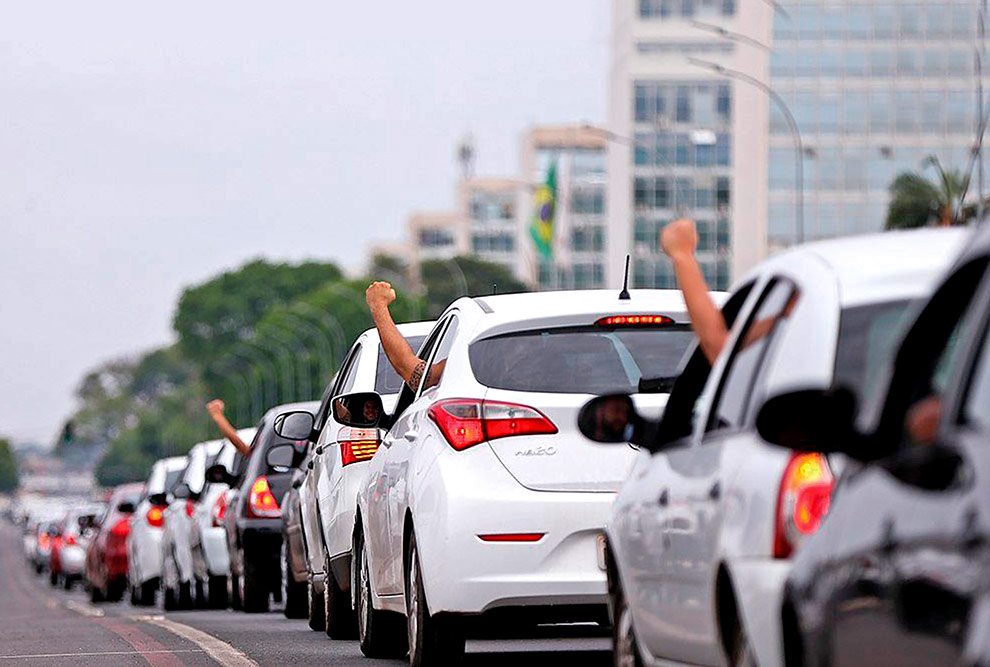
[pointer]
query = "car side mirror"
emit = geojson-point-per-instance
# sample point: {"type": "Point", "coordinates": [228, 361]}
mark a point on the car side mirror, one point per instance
{"type": "Point", "coordinates": [813, 420]}
{"type": "Point", "coordinates": [125, 508]}
{"type": "Point", "coordinates": [159, 499]}
{"type": "Point", "coordinates": [282, 458]}
{"type": "Point", "coordinates": [359, 410]}
{"type": "Point", "coordinates": [613, 418]}
{"type": "Point", "coordinates": [218, 474]}
{"type": "Point", "coordinates": [295, 425]}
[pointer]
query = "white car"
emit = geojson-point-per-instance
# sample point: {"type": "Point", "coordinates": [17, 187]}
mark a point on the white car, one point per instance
{"type": "Point", "coordinates": [144, 560]}
{"type": "Point", "coordinates": [484, 499]}
{"type": "Point", "coordinates": [700, 537]}
{"type": "Point", "coordinates": [340, 459]}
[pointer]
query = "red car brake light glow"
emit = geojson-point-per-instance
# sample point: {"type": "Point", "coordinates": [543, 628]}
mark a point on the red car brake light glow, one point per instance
{"type": "Point", "coordinates": [803, 500]}
{"type": "Point", "coordinates": [190, 507]}
{"type": "Point", "coordinates": [634, 321]}
{"type": "Point", "coordinates": [219, 510]}
{"type": "Point", "coordinates": [512, 537]}
{"type": "Point", "coordinates": [156, 517]}
{"type": "Point", "coordinates": [466, 422]}
{"type": "Point", "coordinates": [122, 528]}
{"type": "Point", "coordinates": [261, 502]}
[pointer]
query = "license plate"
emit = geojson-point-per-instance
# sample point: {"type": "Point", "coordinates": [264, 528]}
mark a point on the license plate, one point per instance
{"type": "Point", "coordinates": [601, 552]}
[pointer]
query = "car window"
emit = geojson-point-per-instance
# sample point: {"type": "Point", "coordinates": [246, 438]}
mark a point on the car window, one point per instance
{"type": "Point", "coordinates": [438, 364]}
{"type": "Point", "coordinates": [750, 355]}
{"type": "Point", "coordinates": [350, 375]}
{"type": "Point", "coordinates": [867, 335]}
{"type": "Point", "coordinates": [975, 410]}
{"type": "Point", "coordinates": [408, 394]}
{"type": "Point", "coordinates": [172, 477]}
{"type": "Point", "coordinates": [387, 381]}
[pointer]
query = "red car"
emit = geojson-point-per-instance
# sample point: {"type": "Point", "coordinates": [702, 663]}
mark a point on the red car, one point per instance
{"type": "Point", "coordinates": [106, 557]}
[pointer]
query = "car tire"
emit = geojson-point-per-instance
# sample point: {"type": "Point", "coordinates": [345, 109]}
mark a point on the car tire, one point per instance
{"type": "Point", "coordinates": [625, 646]}
{"type": "Point", "coordinates": [38, 568]}
{"type": "Point", "coordinates": [742, 650]}
{"type": "Point", "coordinates": [341, 622]}
{"type": "Point", "coordinates": [234, 590]}
{"type": "Point", "coordinates": [67, 582]}
{"type": "Point", "coordinates": [217, 594]}
{"type": "Point", "coordinates": [433, 640]}
{"type": "Point", "coordinates": [53, 578]}
{"type": "Point", "coordinates": [96, 594]}
{"type": "Point", "coordinates": [170, 599]}
{"type": "Point", "coordinates": [293, 592]}
{"type": "Point", "coordinates": [200, 600]}
{"type": "Point", "coordinates": [114, 592]}
{"type": "Point", "coordinates": [185, 595]}
{"type": "Point", "coordinates": [254, 589]}
{"type": "Point", "coordinates": [380, 634]}
{"type": "Point", "coordinates": [317, 608]}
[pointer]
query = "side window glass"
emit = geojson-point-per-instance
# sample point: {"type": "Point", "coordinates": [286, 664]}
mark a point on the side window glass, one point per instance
{"type": "Point", "coordinates": [978, 393]}
{"type": "Point", "coordinates": [749, 355]}
{"type": "Point", "coordinates": [351, 374]}
{"type": "Point", "coordinates": [408, 394]}
{"type": "Point", "coordinates": [439, 362]}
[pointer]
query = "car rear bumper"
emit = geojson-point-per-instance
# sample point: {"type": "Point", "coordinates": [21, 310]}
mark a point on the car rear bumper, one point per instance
{"type": "Point", "coordinates": [146, 558]}
{"type": "Point", "coordinates": [759, 588]}
{"type": "Point", "coordinates": [72, 559]}
{"type": "Point", "coordinates": [215, 555]}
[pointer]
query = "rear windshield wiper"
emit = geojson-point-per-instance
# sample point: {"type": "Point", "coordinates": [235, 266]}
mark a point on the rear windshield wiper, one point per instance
{"type": "Point", "coordinates": [660, 385]}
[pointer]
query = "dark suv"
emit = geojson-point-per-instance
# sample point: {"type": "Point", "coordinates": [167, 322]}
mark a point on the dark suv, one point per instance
{"type": "Point", "coordinates": [253, 519]}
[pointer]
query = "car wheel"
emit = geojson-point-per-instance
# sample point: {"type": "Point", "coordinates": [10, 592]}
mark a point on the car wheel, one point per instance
{"type": "Point", "coordinates": [38, 568]}
{"type": "Point", "coordinates": [742, 650]}
{"type": "Point", "coordinates": [53, 578]}
{"type": "Point", "coordinates": [185, 595]}
{"type": "Point", "coordinates": [114, 591]}
{"type": "Point", "coordinates": [380, 634]}
{"type": "Point", "coordinates": [148, 593]}
{"type": "Point", "coordinates": [316, 608]}
{"type": "Point", "coordinates": [341, 622]}
{"type": "Point", "coordinates": [234, 590]}
{"type": "Point", "coordinates": [293, 592]}
{"type": "Point", "coordinates": [199, 594]}
{"type": "Point", "coordinates": [67, 582]}
{"type": "Point", "coordinates": [217, 591]}
{"type": "Point", "coordinates": [95, 594]}
{"type": "Point", "coordinates": [254, 589]}
{"type": "Point", "coordinates": [625, 647]}
{"type": "Point", "coordinates": [433, 640]}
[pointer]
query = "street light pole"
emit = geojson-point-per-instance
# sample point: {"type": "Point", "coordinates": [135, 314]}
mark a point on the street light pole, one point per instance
{"type": "Point", "coordinates": [791, 123]}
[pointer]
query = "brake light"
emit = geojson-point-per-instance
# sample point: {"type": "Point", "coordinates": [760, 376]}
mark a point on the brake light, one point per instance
{"type": "Point", "coordinates": [634, 321]}
{"type": "Point", "coordinates": [156, 517]}
{"type": "Point", "coordinates": [466, 422]}
{"type": "Point", "coordinates": [219, 511]}
{"type": "Point", "coordinates": [190, 508]}
{"type": "Point", "coordinates": [512, 537]}
{"type": "Point", "coordinates": [122, 528]}
{"type": "Point", "coordinates": [803, 501]}
{"type": "Point", "coordinates": [44, 541]}
{"type": "Point", "coordinates": [357, 444]}
{"type": "Point", "coordinates": [261, 502]}
{"type": "Point", "coordinates": [70, 540]}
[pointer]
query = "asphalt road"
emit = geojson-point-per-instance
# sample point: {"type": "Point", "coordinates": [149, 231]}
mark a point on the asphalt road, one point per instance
{"type": "Point", "coordinates": [42, 625]}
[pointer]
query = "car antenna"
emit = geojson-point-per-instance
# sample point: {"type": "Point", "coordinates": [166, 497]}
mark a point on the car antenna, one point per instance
{"type": "Point", "coordinates": [624, 294]}
{"type": "Point", "coordinates": [494, 289]}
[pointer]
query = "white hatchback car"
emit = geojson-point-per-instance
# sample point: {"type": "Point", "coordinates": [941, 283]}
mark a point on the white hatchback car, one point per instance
{"type": "Point", "coordinates": [701, 535]}
{"type": "Point", "coordinates": [484, 498]}
{"type": "Point", "coordinates": [144, 559]}
{"type": "Point", "coordinates": [328, 494]}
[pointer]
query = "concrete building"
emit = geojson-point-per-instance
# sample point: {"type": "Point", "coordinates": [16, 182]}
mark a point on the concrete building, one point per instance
{"type": "Point", "coordinates": [435, 235]}
{"type": "Point", "coordinates": [487, 209]}
{"type": "Point", "coordinates": [874, 87]}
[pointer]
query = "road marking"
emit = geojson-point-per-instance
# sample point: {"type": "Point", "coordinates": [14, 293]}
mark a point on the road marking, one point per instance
{"type": "Point", "coordinates": [219, 650]}
{"type": "Point", "coordinates": [35, 656]}
{"type": "Point", "coordinates": [84, 608]}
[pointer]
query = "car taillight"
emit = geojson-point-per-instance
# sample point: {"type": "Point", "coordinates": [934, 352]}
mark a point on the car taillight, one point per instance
{"type": "Point", "coordinates": [634, 321]}
{"type": "Point", "coordinates": [190, 508]}
{"type": "Point", "coordinates": [357, 444]}
{"type": "Point", "coordinates": [802, 503]}
{"type": "Point", "coordinates": [219, 511]}
{"type": "Point", "coordinates": [466, 422]}
{"type": "Point", "coordinates": [44, 541]}
{"type": "Point", "coordinates": [122, 528]}
{"type": "Point", "coordinates": [156, 517]}
{"type": "Point", "coordinates": [261, 502]}
{"type": "Point", "coordinates": [70, 540]}
{"type": "Point", "coordinates": [512, 537]}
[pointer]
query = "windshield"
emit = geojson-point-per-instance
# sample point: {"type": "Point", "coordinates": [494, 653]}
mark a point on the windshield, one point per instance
{"type": "Point", "coordinates": [866, 338]}
{"type": "Point", "coordinates": [580, 360]}
{"type": "Point", "coordinates": [387, 381]}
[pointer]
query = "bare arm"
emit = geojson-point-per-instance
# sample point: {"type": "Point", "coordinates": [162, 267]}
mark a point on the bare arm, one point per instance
{"type": "Point", "coordinates": [216, 408]}
{"type": "Point", "coordinates": [679, 240]}
{"type": "Point", "coordinates": [402, 357]}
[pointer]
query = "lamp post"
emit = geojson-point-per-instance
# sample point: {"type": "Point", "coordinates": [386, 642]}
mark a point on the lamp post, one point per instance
{"type": "Point", "coordinates": [791, 123]}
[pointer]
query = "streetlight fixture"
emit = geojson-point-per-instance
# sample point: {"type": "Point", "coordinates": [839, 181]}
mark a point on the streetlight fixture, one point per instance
{"type": "Point", "coordinates": [730, 35]}
{"type": "Point", "coordinates": [791, 123]}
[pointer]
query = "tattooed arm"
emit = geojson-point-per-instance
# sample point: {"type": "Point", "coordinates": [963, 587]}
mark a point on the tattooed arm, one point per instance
{"type": "Point", "coordinates": [379, 296]}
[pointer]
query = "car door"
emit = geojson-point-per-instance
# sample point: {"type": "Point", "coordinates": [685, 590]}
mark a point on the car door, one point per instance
{"type": "Point", "coordinates": [326, 453]}
{"type": "Point", "coordinates": [386, 559]}
{"type": "Point", "coordinates": [915, 524]}
{"type": "Point", "coordinates": [693, 528]}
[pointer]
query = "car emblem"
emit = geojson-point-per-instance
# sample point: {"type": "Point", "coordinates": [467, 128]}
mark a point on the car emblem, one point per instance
{"type": "Point", "coordinates": [537, 451]}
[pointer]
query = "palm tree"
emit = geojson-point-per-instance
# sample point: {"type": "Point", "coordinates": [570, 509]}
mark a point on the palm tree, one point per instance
{"type": "Point", "coordinates": [917, 201]}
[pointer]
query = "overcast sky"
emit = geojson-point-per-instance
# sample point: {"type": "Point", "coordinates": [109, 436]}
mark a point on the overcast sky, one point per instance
{"type": "Point", "coordinates": [145, 147]}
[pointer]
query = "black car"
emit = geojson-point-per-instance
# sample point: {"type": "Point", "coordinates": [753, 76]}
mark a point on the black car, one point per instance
{"type": "Point", "coordinates": [899, 573]}
{"type": "Point", "coordinates": [253, 519]}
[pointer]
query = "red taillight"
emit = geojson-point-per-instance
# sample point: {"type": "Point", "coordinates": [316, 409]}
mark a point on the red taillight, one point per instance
{"type": "Point", "coordinates": [466, 422]}
{"type": "Point", "coordinates": [190, 508]}
{"type": "Point", "coordinates": [219, 510]}
{"type": "Point", "coordinates": [122, 528]}
{"type": "Point", "coordinates": [634, 321]}
{"type": "Point", "coordinates": [44, 541]}
{"type": "Point", "coordinates": [803, 502]}
{"type": "Point", "coordinates": [156, 517]}
{"type": "Point", "coordinates": [357, 444]}
{"type": "Point", "coordinates": [70, 540]}
{"type": "Point", "coordinates": [261, 502]}
{"type": "Point", "coordinates": [512, 537]}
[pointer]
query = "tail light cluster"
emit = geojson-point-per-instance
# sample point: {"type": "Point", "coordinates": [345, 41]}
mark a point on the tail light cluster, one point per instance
{"type": "Point", "coordinates": [802, 502]}
{"type": "Point", "coordinates": [190, 507]}
{"type": "Point", "coordinates": [261, 502]}
{"type": "Point", "coordinates": [357, 444]}
{"type": "Point", "coordinates": [219, 510]}
{"type": "Point", "coordinates": [466, 422]}
{"type": "Point", "coordinates": [44, 541]}
{"type": "Point", "coordinates": [69, 540]}
{"type": "Point", "coordinates": [156, 516]}
{"type": "Point", "coordinates": [121, 529]}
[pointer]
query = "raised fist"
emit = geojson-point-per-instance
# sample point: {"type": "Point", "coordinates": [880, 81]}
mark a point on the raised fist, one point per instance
{"type": "Point", "coordinates": [215, 407]}
{"type": "Point", "coordinates": [679, 238]}
{"type": "Point", "coordinates": [379, 295]}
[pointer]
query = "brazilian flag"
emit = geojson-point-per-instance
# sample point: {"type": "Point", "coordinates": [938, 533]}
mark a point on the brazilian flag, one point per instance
{"type": "Point", "coordinates": [541, 227]}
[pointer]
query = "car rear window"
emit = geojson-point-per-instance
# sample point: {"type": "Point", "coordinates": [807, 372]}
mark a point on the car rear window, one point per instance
{"type": "Point", "coordinates": [171, 477]}
{"type": "Point", "coordinates": [580, 360]}
{"type": "Point", "coordinates": [866, 337]}
{"type": "Point", "coordinates": [387, 381]}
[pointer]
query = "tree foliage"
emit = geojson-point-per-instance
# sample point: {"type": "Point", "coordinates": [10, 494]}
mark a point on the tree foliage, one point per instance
{"type": "Point", "coordinates": [447, 280]}
{"type": "Point", "coordinates": [918, 201]}
{"type": "Point", "coordinates": [8, 467]}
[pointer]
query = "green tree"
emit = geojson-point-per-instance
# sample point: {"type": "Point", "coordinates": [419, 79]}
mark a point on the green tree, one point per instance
{"type": "Point", "coordinates": [447, 280]}
{"type": "Point", "coordinates": [919, 201]}
{"type": "Point", "coordinates": [8, 467]}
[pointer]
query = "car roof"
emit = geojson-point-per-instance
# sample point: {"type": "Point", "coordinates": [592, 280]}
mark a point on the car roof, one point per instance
{"type": "Point", "coordinates": [407, 329]}
{"type": "Point", "coordinates": [308, 406]}
{"type": "Point", "coordinates": [878, 267]}
{"type": "Point", "coordinates": [173, 462]}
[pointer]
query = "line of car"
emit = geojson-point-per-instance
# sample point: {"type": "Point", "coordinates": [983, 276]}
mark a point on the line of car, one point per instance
{"type": "Point", "coordinates": [738, 512]}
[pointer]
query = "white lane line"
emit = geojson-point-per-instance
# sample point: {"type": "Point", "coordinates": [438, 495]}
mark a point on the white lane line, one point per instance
{"type": "Point", "coordinates": [74, 655]}
{"type": "Point", "coordinates": [219, 650]}
{"type": "Point", "coordinates": [84, 608]}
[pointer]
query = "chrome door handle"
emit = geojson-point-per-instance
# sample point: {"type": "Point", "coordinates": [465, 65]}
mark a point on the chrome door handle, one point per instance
{"type": "Point", "coordinates": [664, 498]}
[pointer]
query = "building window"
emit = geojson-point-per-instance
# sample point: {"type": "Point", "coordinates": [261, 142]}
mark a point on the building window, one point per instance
{"type": "Point", "coordinates": [588, 202]}
{"type": "Point", "coordinates": [435, 238]}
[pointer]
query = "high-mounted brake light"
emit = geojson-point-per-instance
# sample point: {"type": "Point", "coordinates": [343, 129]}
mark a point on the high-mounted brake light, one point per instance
{"type": "Point", "coordinates": [466, 422]}
{"type": "Point", "coordinates": [512, 537]}
{"type": "Point", "coordinates": [634, 321]}
{"type": "Point", "coordinates": [190, 507]}
{"type": "Point", "coordinates": [805, 491]}
{"type": "Point", "coordinates": [156, 517]}
{"type": "Point", "coordinates": [261, 502]}
{"type": "Point", "coordinates": [357, 444]}
{"type": "Point", "coordinates": [219, 510]}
